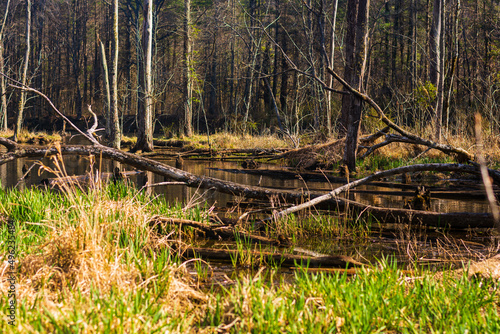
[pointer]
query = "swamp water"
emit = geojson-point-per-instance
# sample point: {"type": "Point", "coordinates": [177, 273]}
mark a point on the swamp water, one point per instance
{"type": "Point", "coordinates": [368, 244]}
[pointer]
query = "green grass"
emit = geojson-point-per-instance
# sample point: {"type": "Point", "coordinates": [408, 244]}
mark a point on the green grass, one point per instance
{"type": "Point", "coordinates": [381, 300]}
{"type": "Point", "coordinates": [89, 262]}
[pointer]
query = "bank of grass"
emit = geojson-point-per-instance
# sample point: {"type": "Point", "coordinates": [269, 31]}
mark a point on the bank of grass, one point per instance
{"type": "Point", "coordinates": [27, 137]}
{"type": "Point", "coordinates": [227, 141]}
{"type": "Point", "coordinates": [90, 262]}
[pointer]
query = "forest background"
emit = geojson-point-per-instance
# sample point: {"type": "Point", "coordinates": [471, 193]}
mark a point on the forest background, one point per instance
{"type": "Point", "coordinates": [250, 66]}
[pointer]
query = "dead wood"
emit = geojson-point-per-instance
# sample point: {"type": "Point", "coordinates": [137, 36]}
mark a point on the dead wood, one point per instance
{"type": "Point", "coordinates": [454, 220]}
{"type": "Point", "coordinates": [371, 138]}
{"type": "Point", "coordinates": [228, 187]}
{"type": "Point", "coordinates": [484, 172]}
{"type": "Point", "coordinates": [346, 271]}
{"type": "Point", "coordinates": [389, 138]}
{"type": "Point", "coordinates": [85, 179]}
{"type": "Point", "coordinates": [461, 154]}
{"type": "Point", "coordinates": [400, 170]}
{"type": "Point", "coordinates": [284, 260]}
{"type": "Point", "coordinates": [220, 231]}
{"type": "Point", "coordinates": [333, 148]}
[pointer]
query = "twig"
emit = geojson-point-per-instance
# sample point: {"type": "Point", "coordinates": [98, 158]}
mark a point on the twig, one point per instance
{"type": "Point", "coordinates": [165, 184]}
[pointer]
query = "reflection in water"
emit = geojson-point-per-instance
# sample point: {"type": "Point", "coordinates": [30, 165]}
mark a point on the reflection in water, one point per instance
{"type": "Point", "coordinates": [11, 173]}
{"type": "Point", "coordinates": [370, 248]}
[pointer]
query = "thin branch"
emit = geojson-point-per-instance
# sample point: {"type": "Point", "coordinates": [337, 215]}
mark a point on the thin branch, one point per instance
{"type": "Point", "coordinates": [29, 89]}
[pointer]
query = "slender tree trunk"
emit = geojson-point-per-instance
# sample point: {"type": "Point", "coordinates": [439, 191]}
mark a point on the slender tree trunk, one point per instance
{"type": "Point", "coordinates": [3, 88]}
{"type": "Point", "coordinates": [332, 64]}
{"type": "Point", "coordinates": [24, 75]}
{"type": "Point", "coordinates": [435, 38]}
{"type": "Point", "coordinates": [454, 60]}
{"type": "Point", "coordinates": [437, 63]}
{"type": "Point", "coordinates": [107, 112]}
{"type": "Point", "coordinates": [145, 118]}
{"type": "Point", "coordinates": [115, 138]}
{"type": "Point", "coordinates": [355, 66]}
{"type": "Point", "coordinates": [188, 63]}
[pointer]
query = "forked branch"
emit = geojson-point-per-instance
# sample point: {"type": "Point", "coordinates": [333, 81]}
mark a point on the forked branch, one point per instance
{"type": "Point", "coordinates": [88, 135]}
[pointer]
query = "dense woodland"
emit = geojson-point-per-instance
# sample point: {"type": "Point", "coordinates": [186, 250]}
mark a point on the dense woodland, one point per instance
{"type": "Point", "coordinates": [251, 65]}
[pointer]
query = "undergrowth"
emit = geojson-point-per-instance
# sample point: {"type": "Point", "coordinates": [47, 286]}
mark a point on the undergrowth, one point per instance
{"type": "Point", "coordinates": [90, 261]}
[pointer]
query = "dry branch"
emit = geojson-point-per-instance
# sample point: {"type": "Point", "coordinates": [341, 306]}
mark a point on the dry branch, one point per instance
{"type": "Point", "coordinates": [228, 187]}
{"type": "Point", "coordinates": [88, 135]}
{"type": "Point", "coordinates": [285, 260]}
{"type": "Point", "coordinates": [462, 154]}
{"type": "Point", "coordinates": [400, 170]}
{"type": "Point", "coordinates": [219, 231]}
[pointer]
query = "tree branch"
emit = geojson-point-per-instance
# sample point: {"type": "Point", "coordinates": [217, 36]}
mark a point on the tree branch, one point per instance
{"type": "Point", "coordinates": [462, 154]}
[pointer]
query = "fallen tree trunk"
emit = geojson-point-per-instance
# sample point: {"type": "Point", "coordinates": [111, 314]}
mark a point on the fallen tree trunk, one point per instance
{"type": "Point", "coordinates": [400, 170]}
{"type": "Point", "coordinates": [454, 220]}
{"type": "Point", "coordinates": [18, 151]}
{"type": "Point", "coordinates": [283, 260]}
{"type": "Point", "coordinates": [219, 231]}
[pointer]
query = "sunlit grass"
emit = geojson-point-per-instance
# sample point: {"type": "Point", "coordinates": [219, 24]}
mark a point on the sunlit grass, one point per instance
{"type": "Point", "coordinates": [38, 137]}
{"type": "Point", "coordinates": [380, 300]}
{"type": "Point", "coordinates": [225, 140]}
{"type": "Point", "coordinates": [89, 261]}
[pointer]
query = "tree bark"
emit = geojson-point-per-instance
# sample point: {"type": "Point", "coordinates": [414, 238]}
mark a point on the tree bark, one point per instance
{"type": "Point", "coordinates": [145, 118]}
{"type": "Point", "coordinates": [107, 112]}
{"type": "Point", "coordinates": [24, 75]}
{"type": "Point", "coordinates": [188, 63]}
{"type": "Point", "coordinates": [115, 138]}
{"type": "Point", "coordinates": [332, 65]}
{"type": "Point", "coordinates": [352, 105]}
{"type": "Point", "coordinates": [3, 88]}
{"type": "Point", "coordinates": [436, 74]}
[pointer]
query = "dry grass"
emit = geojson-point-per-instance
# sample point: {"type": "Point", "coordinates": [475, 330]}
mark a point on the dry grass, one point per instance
{"type": "Point", "coordinates": [100, 252]}
{"type": "Point", "coordinates": [40, 137]}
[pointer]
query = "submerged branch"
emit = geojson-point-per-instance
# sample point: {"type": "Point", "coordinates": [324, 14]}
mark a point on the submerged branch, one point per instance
{"type": "Point", "coordinates": [378, 175]}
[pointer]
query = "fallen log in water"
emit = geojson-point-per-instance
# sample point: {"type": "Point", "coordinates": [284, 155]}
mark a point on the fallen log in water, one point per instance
{"type": "Point", "coordinates": [87, 178]}
{"type": "Point", "coordinates": [284, 260]}
{"type": "Point", "coordinates": [453, 220]}
{"type": "Point", "coordinates": [16, 151]}
{"type": "Point", "coordinates": [220, 231]}
{"type": "Point", "coordinates": [432, 219]}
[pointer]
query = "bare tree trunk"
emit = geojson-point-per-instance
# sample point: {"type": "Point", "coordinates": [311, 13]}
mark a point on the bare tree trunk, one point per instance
{"type": "Point", "coordinates": [115, 133]}
{"type": "Point", "coordinates": [145, 118]}
{"type": "Point", "coordinates": [454, 60]}
{"type": "Point", "coordinates": [3, 89]}
{"type": "Point", "coordinates": [188, 87]}
{"type": "Point", "coordinates": [440, 68]}
{"type": "Point", "coordinates": [332, 63]}
{"type": "Point", "coordinates": [435, 38]}
{"type": "Point", "coordinates": [355, 67]}
{"type": "Point", "coordinates": [24, 75]}
{"type": "Point", "coordinates": [107, 111]}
